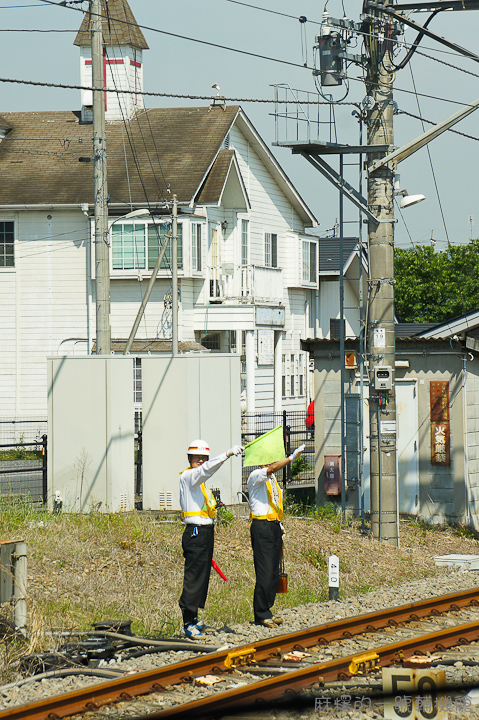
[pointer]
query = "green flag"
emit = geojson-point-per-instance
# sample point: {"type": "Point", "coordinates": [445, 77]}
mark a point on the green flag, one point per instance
{"type": "Point", "coordinates": [266, 449]}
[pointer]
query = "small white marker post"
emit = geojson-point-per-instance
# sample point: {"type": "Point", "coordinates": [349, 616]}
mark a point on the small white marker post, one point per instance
{"type": "Point", "coordinates": [333, 577]}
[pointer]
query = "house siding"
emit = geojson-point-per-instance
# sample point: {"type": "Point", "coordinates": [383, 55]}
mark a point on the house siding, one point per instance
{"type": "Point", "coordinates": [48, 300]}
{"type": "Point", "coordinates": [51, 272]}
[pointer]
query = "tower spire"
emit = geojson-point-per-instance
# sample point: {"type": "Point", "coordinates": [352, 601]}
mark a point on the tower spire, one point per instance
{"type": "Point", "coordinates": [123, 45]}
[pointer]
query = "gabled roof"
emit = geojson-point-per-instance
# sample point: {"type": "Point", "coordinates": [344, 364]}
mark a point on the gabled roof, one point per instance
{"type": "Point", "coordinates": [118, 24]}
{"type": "Point", "coordinates": [175, 149]}
{"type": "Point", "coordinates": [224, 184]}
{"type": "Point", "coordinates": [328, 253]}
{"type": "Point", "coordinates": [214, 183]}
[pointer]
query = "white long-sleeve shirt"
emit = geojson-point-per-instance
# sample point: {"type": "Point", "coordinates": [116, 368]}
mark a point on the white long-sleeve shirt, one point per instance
{"type": "Point", "coordinates": [265, 496]}
{"type": "Point", "coordinates": [194, 495]}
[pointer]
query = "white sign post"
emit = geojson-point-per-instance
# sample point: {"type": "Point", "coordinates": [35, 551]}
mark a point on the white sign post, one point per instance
{"type": "Point", "coordinates": [333, 577]}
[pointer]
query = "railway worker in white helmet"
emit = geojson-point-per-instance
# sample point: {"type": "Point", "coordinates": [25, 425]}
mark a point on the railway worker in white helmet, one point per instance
{"type": "Point", "coordinates": [266, 512]}
{"type": "Point", "coordinates": [198, 513]}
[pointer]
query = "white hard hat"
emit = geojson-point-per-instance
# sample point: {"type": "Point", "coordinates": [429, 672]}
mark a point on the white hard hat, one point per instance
{"type": "Point", "coordinates": [199, 447]}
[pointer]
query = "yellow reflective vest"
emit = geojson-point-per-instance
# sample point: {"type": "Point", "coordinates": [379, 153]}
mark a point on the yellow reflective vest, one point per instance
{"type": "Point", "coordinates": [265, 496]}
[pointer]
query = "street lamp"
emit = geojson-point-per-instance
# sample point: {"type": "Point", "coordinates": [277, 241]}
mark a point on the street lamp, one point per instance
{"type": "Point", "coordinates": [408, 200]}
{"type": "Point", "coordinates": [141, 212]}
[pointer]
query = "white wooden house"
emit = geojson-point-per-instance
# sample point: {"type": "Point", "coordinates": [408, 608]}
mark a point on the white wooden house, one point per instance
{"type": "Point", "coordinates": [248, 271]}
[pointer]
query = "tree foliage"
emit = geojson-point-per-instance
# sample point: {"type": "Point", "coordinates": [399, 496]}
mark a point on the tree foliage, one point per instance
{"type": "Point", "coordinates": [436, 286]}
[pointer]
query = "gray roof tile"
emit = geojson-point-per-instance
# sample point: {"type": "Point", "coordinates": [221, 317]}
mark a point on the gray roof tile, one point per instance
{"type": "Point", "coordinates": [118, 25]}
{"type": "Point", "coordinates": [172, 147]}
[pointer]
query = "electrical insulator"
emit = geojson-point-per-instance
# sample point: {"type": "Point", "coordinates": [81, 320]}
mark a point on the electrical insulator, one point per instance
{"type": "Point", "coordinates": [331, 64]}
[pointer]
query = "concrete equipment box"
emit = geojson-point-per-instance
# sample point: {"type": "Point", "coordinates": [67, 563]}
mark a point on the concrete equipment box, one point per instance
{"type": "Point", "coordinates": [91, 433]}
{"type": "Point", "coordinates": [187, 397]}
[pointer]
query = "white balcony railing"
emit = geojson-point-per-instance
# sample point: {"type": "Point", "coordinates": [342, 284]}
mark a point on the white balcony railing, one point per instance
{"type": "Point", "coordinates": [262, 284]}
{"type": "Point", "coordinates": [250, 283]}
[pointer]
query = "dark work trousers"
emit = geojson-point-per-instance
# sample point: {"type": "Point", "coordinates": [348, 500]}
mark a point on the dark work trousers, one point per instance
{"type": "Point", "coordinates": [267, 543]}
{"type": "Point", "coordinates": [197, 544]}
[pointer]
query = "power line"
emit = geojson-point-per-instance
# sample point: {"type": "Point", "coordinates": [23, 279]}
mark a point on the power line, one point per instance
{"type": "Point", "coordinates": [196, 40]}
{"type": "Point", "coordinates": [273, 12]}
{"type": "Point", "coordinates": [294, 17]}
{"type": "Point", "coordinates": [225, 47]}
{"type": "Point", "coordinates": [432, 122]}
{"type": "Point", "coordinates": [430, 160]}
{"type": "Point", "coordinates": [35, 30]}
{"type": "Point", "coordinates": [63, 86]}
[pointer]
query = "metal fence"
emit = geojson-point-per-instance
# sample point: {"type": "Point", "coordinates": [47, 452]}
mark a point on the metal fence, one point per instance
{"type": "Point", "coordinates": [21, 474]}
{"type": "Point", "coordinates": [22, 430]}
{"type": "Point", "coordinates": [295, 433]}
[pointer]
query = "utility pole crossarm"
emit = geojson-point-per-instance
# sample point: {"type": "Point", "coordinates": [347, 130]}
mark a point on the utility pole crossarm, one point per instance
{"type": "Point", "coordinates": [343, 186]}
{"type": "Point", "coordinates": [431, 6]}
{"type": "Point", "coordinates": [413, 145]}
{"type": "Point", "coordinates": [425, 31]}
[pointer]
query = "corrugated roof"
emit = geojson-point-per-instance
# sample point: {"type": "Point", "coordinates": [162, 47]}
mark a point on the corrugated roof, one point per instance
{"type": "Point", "coordinates": [329, 253]}
{"type": "Point", "coordinates": [409, 330]}
{"type": "Point", "coordinates": [39, 156]}
{"type": "Point", "coordinates": [118, 25]}
{"type": "Point", "coordinates": [154, 346]}
{"type": "Point", "coordinates": [351, 342]}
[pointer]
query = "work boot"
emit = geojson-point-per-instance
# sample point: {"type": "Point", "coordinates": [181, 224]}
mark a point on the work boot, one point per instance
{"type": "Point", "coordinates": [268, 623]}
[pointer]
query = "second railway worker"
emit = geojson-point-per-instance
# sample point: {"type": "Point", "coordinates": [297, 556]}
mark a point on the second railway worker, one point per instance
{"type": "Point", "coordinates": [266, 505]}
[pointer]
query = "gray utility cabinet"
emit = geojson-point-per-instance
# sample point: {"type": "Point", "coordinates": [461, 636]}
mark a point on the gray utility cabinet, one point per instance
{"type": "Point", "coordinates": [187, 397]}
{"type": "Point", "coordinates": [91, 433]}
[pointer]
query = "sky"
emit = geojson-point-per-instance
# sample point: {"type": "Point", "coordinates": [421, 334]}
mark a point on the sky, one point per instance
{"type": "Point", "coordinates": [180, 66]}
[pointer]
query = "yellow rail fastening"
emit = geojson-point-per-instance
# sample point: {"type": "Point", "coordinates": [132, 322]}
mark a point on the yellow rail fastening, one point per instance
{"type": "Point", "coordinates": [245, 656]}
{"type": "Point", "coordinates": [364, 663]}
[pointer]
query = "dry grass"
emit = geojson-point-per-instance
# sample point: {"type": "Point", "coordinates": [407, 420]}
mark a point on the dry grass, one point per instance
{"type": "Point", "coordinates": [87, 568]}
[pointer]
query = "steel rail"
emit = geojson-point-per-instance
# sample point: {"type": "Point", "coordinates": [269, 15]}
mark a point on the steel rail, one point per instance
{"type": "Point", "coordinates": [285, 687]}
{"type": "Point", "coordinates": [128, 687]}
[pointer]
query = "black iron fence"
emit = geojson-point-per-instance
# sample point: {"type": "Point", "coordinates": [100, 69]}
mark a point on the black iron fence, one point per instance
{"type": "Point", "coordinates": [21, 473]}
{"type": "Point", "coordinates": [23, 469]}
{"type": "Point", "coordinates": [295, 433]}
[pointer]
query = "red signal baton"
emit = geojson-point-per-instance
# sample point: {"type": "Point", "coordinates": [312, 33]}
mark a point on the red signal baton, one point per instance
{"type": "Point", "coordinates": [219, 571]}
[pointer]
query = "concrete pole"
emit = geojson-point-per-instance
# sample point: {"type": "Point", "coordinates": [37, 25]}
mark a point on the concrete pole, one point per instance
{"type": "Point", "coordinates": [380, 336]}
{"type": "Point", "coordinates": [174, 282]}
{"type": "Point", "coordinates": [102, 249]}
{"type": "Point", "coordinates": [278, 371]}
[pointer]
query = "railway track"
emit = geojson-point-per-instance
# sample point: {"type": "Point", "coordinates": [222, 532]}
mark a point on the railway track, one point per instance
{"type": "Point", "coordinates": [294, 661]}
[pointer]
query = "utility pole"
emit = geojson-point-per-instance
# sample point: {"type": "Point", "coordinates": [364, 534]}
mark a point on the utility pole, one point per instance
{"type": "Point", "coordinates": [102, 254]}
{"type": "Point", "coordinates": [381, 337]}
{"type": "Point", "coordinates": [174, 282]}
